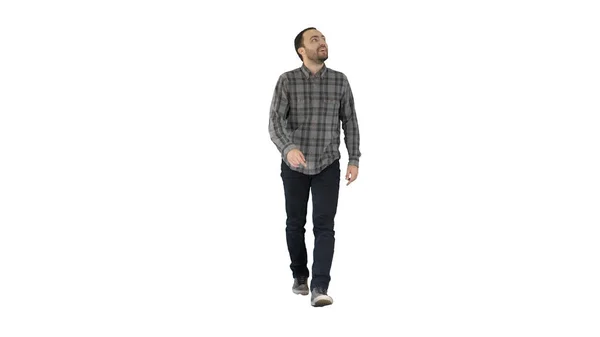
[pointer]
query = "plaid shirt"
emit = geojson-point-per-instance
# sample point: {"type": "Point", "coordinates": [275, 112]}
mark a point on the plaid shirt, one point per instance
{"type": "Point", "coordinates": [306, 111]}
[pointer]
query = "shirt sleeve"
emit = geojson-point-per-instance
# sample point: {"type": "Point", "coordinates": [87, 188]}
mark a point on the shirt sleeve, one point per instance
{"type": "Point", "coordinates": [279, 134]}
{"type": "Point", "coordinates": [350, 124]}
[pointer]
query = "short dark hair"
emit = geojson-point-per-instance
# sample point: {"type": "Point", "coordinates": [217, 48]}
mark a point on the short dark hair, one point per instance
{"type": "Point", "coordinates": [299, 41]}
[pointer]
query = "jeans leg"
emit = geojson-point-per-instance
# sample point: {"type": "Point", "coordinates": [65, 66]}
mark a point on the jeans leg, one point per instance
{"type": "Point", "coordinates": [325, 191]}
{"type": "Point", "coordinates": [296, 187]}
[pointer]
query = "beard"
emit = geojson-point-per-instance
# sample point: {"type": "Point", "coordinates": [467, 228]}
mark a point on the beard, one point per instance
{"type": "Point", "coordinates": [317, 57]}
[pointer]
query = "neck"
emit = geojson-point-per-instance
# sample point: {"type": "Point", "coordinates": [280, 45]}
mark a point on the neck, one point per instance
{"type": "Point", "coordinates": [313, 67]}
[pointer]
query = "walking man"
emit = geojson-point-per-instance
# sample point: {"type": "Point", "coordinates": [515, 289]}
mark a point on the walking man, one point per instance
{"type": "Point", "coordinates": [308, 106]}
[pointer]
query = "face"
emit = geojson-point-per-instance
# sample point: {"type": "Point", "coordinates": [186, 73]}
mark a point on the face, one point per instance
{"type": "Point", "coordinates": [315, 46]}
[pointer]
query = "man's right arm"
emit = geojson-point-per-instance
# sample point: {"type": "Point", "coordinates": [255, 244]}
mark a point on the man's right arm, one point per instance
{"type": "Point", "coordinates": [280, 136]}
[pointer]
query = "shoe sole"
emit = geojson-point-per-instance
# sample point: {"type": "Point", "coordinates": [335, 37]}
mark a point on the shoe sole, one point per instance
{"type": "Point", "coordinates": [321, 301]}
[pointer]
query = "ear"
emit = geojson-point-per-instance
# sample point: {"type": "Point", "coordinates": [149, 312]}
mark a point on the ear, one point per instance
{"type": "Point", "coordinates": [301, 51]}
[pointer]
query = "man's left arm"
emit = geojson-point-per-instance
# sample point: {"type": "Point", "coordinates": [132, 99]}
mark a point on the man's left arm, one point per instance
{"type": "Point", "coordinates": [350, 127]}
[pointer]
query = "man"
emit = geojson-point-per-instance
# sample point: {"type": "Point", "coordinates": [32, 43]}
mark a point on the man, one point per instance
{"type": "Point", "coordinates": [304, 123]}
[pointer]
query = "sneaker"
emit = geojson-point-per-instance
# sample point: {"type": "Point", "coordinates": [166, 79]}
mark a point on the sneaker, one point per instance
{"type": "Point", "coordinates": [320, 298]}
{"type": "Point", "coordinates": [300, 285]}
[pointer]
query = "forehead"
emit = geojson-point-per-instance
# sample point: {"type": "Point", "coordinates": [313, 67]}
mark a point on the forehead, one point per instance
{"type": "Point", "coordinates": [310, 33]}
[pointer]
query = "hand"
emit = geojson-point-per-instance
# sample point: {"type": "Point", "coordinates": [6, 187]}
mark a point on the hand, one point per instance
{"type": "Point", "coordinates": [296, 158]}
{"type": "Point", "coordinates": [351, 174]}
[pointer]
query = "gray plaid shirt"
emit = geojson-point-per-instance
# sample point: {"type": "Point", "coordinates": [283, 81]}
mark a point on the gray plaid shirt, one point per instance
{"type": "Point", "coordinates": [306, 111]}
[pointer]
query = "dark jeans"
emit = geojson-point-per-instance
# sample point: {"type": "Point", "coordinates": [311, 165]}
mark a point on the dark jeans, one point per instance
{"type": "Point", "coordinates": [325, 190]}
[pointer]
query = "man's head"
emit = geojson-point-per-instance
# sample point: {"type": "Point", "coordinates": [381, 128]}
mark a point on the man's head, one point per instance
{"type": "Point", "coordinates": [311, 46]}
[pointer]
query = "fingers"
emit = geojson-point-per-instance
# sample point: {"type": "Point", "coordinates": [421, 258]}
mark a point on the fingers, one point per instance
{"type": "Point", "coordinates": [302, 160]}
{"type": "Point", "coordinates": [351, 176]}
{"type": "Point", "coordinates": [296, 159]}
{"type": "Point", "coordinates": [299, 158]}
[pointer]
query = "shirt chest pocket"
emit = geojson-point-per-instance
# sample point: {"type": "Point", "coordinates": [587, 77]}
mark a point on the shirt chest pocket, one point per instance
{"type": "Point", "coordinates": [331, 111]}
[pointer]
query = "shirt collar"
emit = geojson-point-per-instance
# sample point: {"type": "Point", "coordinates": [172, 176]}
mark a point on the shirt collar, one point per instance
{"type": "Point", "coordinates": [308, 74]}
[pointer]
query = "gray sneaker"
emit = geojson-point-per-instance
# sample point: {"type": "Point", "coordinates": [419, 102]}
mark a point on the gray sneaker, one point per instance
{"type": "Point", "coordinates": [300, 285]}
{"type": "Point", "coordinates": [319, 298]}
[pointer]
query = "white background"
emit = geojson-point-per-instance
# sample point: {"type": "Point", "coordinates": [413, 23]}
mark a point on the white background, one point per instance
{"type": "Point", "coordinates": [140, 193]}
